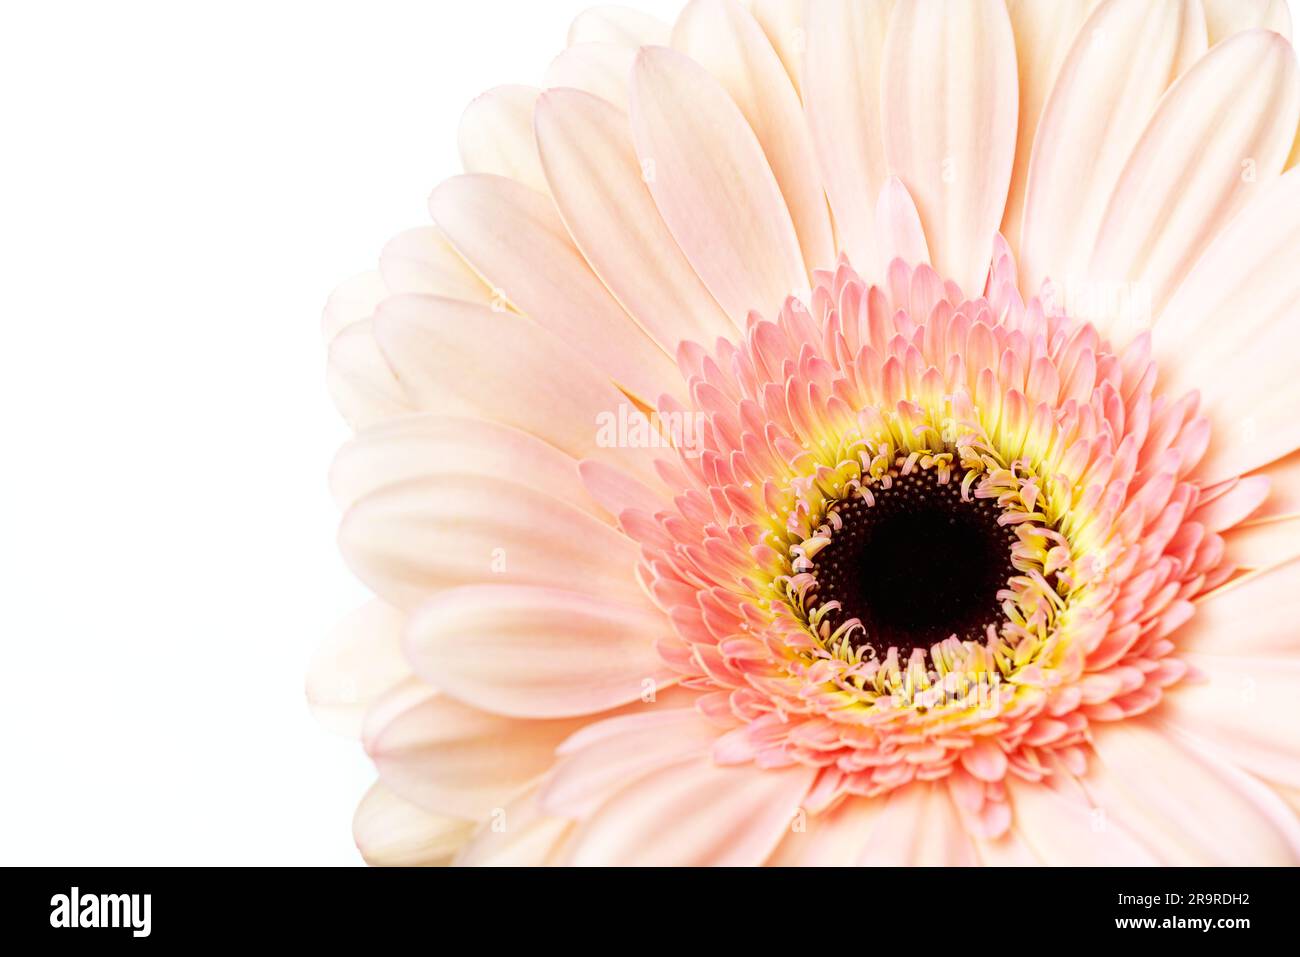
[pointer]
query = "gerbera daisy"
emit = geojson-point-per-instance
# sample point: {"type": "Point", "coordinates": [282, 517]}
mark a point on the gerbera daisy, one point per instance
{"type": "Point", "coordinates": [839, 432]}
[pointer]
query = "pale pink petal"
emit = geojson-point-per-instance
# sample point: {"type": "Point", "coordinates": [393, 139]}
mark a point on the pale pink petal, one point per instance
{"type": "Point", "coordinates": [496, 136]}
{"type": "Point", "coordinates": [919, 827]}
{"type": "Point", "coordinates": [452, 759]}
{"type": "Point", "coordinates": [1191, 807]}
{"type": "Point", "coordinates": [1232, 331]}
{"type": "Point", "coordinates": [515, 239]}
{"type": "Point", "coordinates": [601, 69]}
{"type": "Point", "coordinates": [1283, 488]}
{"type": "Point", "coordinates": [842, 89]}
{"type": "Point", "coordinates": [835, 838]}
{"type": "Point", "coordinates": [725, 39]}
{"type": "Point", "coordinates": [616, 490]}
{"type": "Point", "coordinates": [1264, 544]}
{"type": "Point", "coordinates": [783, 22]}
{"type": "Point", "coordinates": [1009, 850]}
{"type": "Point", "coordinates": [418, 446]}
{"type": "Point", "coordinates": [1233, 506]}
{"type": "Point", "coordinates": [411, 540]}
{"type": "Point", "coordinates": [615, 24]}
{"type": "Point", "coordinates": [1252, 616]}
{"type": "Point", "coordinates": [601, 195]}
{"type": "Point", "coordinates": [1244, 704]}
{"type": "Point", "coordinates": [1061, 828]}
{"type": "Point", "coordinates": [614, 753]}
{"type": "Point", "coordinates": [1124, 57]}
{"type": "Point", "coordinates": [898, 227]}
{"type": "Point", "coordinates": [713, 186]}
{"type": "Point", "coordinates": [517, 835]}
{"type": "Point", "coordinates": [392, 832]}
{"type": "Point", "coordinates": [949, 106]}
{"type": "Point", "coordinates": [694, 814]}
{"type": "Point", "coordinates": [360, 661]}
{"type": "Point", "coordinates": [1223, 18]}
{"type": "Point", "coordinates": [458, 359]}
{"type": "Point", "coordinates": [360, 380]}
{"type": "Point", "coordinates": [1044, 34]}
{"type": "Point", "coordinates": [538, 652]}
{"type": "Point", "coordinates": [1219, 137]}
{"type": "Point", "coordinates": [422, 261]}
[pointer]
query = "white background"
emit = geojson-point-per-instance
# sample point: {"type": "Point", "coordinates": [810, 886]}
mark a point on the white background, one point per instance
{"type": "Point", "coordinates": [181, 184]}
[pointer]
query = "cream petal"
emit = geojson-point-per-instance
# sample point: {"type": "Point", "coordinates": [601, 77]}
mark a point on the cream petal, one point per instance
{"type": "Point", "coordinates": [713, 186]}
{"type": "Point", "coordinates": [725, 39]}
{"type": "Point", "coordinates": [351, 302]}
{"type": "Point", "coordinates": [1231, 330]}
{"type": "Point", "coordinates": [418, 446]}
{"type": "Point", "coordinates": [360, 661]}
{"type": "Point", "coordinates": [518, 835]}
{"type": "Point", "coordinates": [460, 359]}
{"type": "Point", "coordinates": [391, 832]}
{"type": "Point", "coordinates": [616, 24]}
{"type": "Point", "coordinates": [1188, 805]}
{"type": "Point", "coordinates": [1223, 18]}
{"type": "Point", "coordinates": [538, 652]}
{"type": "Point", "coordinates": [1061, 828]}
{"type": "Point", "coordinates": [836, 838]}
{"type": "Point", "coordinates": [1220, 135]}
{"type": "Point", "coordinates": [421, 261]}
{"type": "Point", "coordinates": [496, 136]}
{"type": "Point", "coordinates": [783, 22]}
{"type": "Point", "coordinates": [412, 540]}
{"type": "Point", "coordinates": [601, 69]}
{"type": "Point", "coordinates": [1122, 61]}
{"type": "Point", "coordinates": [360, 380]}
{"type": "Point", "coordinates": [514, 238]}
{"type": "Point", "coordinates": [616, 752]}
{"type": "Point", "coordinates": [694, 814]}
{"type": "Point", "coordinates": [842, 90]}
{"type": "Point", "coordinates": [452, 759]}
{"type": "Point", "coordinates": [597, 182]}
{"type": "Point", "coordinates": [1044, 34]}
{"type": "Point", "coordinates": [949, 104]}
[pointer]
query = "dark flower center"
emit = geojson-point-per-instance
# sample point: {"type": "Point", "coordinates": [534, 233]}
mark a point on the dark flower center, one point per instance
{"type": "Point", "coordinates": [916, 567]}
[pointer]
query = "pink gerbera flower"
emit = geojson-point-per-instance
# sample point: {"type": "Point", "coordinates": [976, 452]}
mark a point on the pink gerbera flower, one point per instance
{"type": "Point", "coordinates": [839, 433]}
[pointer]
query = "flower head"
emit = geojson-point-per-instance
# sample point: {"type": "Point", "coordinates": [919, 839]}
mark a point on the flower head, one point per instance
{"type": "Point", "coordinates": [844, 433]}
